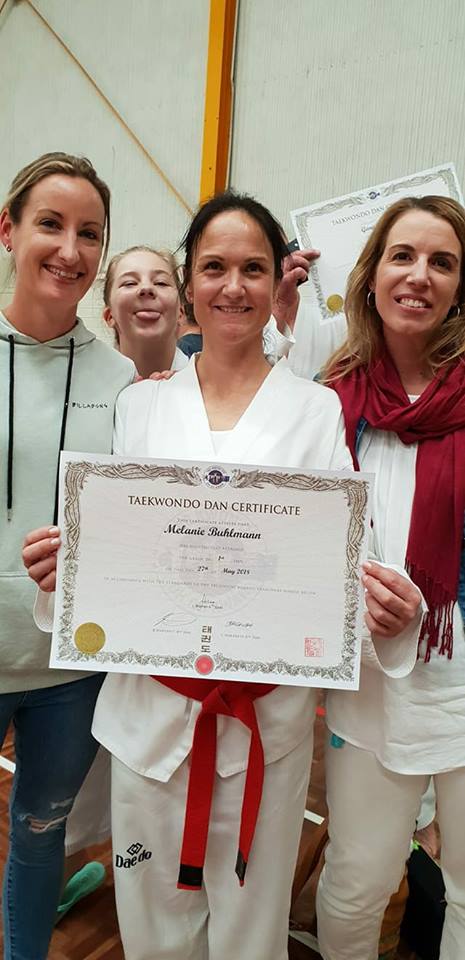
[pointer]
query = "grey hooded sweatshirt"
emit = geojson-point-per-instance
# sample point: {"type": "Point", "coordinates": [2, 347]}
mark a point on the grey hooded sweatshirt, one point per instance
{"type": "Point", "coordinates": [55, 395]}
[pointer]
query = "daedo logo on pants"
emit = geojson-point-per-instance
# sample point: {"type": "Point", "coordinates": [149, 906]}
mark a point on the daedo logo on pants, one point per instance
{"type": "Point", "coordinates": [136, 855]}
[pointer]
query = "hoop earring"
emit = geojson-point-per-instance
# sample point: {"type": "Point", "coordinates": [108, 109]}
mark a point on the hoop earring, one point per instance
{"type": "Point", "coordinates": [452, 316]}
{"type": "Point", "coordinates": [371, 304]}
{"type": "Point", "coordinates": [8, 248]}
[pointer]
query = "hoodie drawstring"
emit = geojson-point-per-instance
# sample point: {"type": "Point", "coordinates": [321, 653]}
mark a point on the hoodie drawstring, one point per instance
{"type": "Point", "coordinates": [63, 423]}
{"type": "Point", "coordinates": [11, 398]}
{"type": "Point", "coordinates": [11, 408]}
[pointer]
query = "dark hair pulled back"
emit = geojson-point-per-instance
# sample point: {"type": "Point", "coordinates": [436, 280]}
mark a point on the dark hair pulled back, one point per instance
{"type": "Point", "coordinates": [223, 203]}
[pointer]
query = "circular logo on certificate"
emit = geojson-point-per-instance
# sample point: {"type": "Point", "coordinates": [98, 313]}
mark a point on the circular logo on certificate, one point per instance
{"type": "Point", "coordinates": [335, 303]}
{"type": "Point", "coordinates": [215, 477]}
{"type": "Point", "coordinates": [204, 665]}
{"type": "Point", "coordinates": [89, 638]}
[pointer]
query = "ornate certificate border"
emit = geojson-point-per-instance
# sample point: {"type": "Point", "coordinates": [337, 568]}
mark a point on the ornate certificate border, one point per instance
{"type": "Point", "coordinates": [356, 492]}
{"type": "Point", "coordinates": [302, 220]}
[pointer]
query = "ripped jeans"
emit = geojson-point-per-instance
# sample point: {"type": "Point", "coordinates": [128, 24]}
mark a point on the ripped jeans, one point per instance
{"type": "Point", "coordinates": [54, 750]}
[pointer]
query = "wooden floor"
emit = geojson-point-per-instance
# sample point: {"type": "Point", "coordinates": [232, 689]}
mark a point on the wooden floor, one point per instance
{"type": "Point", "coordinates": [90, 930]}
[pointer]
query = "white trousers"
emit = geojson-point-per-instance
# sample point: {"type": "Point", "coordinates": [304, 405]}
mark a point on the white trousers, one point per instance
{"type": "Point", "coordinates": [428, 807]}
{"type": "Point", "coordinates": [223, 921]}
{"type": "Point", "coordinates": [372, 819]}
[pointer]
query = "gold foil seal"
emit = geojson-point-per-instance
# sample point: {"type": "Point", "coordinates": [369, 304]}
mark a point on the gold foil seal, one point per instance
{"type": "Point", "coordinates": [335, 303]}
{"type": "Point", "coordinates": [89, 638]}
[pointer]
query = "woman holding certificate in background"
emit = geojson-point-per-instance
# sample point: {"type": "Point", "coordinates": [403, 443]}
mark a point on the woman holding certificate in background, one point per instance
{"type": "Point", "coordinates": [401, 379]}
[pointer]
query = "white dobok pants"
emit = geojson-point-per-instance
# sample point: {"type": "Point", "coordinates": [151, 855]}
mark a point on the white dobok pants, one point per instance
{"type": "Point", "coordinates": [372, 819]}
{"type": "Point", "coordinates": [223, 921]}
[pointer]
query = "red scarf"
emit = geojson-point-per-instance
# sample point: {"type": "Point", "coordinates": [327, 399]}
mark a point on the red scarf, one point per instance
{"type": "Point", "coordinates": [233, 699]}
{"type": "Point", "coordinates": [436, 421]}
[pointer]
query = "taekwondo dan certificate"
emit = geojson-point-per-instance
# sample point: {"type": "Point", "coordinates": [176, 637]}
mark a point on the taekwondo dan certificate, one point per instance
{"type": "Point", "coordinates": [339, 228]}
{"type": "Point", "coordinates": [220, 571]}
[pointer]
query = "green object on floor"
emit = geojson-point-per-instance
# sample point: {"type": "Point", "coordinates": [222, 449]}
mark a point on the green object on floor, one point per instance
{"type": "Point", "coordinates": [85, 881]}
{"type": "Point", "coordinates": [336, 741]}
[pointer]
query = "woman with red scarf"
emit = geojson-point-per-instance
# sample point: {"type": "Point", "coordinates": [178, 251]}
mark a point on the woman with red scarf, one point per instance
{"type": "Point", "coordinates": [400, 376]}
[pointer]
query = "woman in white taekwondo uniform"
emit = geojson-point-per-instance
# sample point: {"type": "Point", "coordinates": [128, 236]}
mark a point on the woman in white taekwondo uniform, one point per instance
{"type": "Point", "coordinates": [142, 304]}
{"type": "Point", "coordinates": [228, 403]}
{"type": "Point", "coordinates": [401, 378]}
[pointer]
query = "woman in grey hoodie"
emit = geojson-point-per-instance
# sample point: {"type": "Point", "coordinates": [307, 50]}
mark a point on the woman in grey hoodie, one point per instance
{"type": "Point", "coordinates": [58, 387]}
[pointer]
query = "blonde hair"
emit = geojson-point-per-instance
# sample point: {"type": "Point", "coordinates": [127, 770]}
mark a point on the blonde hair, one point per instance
{"type": "Point", "coordinates": [165, 255]}
{"type": "Point", "coordinates": [46, 166]}
{"type": "Point", "coordinates": [364, 327]}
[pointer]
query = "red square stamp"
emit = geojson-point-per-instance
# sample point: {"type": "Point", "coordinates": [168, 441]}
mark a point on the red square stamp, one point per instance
{"type": "Point", "coordinates": [314, 646]}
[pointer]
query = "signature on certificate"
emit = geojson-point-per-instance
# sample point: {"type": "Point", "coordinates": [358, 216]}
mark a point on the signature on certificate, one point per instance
{"type": "Point", "coordinates": [177, 619]}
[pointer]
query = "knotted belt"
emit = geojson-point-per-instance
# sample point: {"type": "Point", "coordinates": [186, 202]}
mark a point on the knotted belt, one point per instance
{"type": "Point", "coordinates": [232, 699]}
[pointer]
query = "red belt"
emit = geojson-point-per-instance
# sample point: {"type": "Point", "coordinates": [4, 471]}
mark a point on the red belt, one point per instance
{"type": "Point", "coordinates": [233, 699]}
